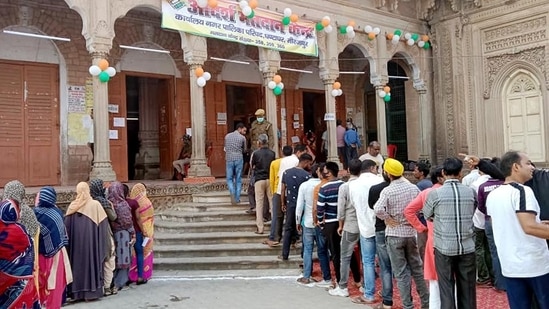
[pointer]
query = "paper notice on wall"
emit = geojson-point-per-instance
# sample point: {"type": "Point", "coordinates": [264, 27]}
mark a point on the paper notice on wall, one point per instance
{"type": "Point", "coordinates": [119, 122]}
{"type": "Point", "coordinates": [296, 124]}
{"type": "Point", "coordinates": [113, 108]}
{"type": "Point", "coordinates": [189, 131]}
{"type": "Point", "coordinates": [89, 93]}
{"type": "Point", "coordinates": [329, 117]}
{"type": "Point", "coordinates": [76, 99]}
{"type": "Point", "coordinates": [113, 134]}
{"type": "Point", "coordinates": [295, 139]}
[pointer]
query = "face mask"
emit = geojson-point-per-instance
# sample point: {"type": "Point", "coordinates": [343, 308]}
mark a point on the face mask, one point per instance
{"type": "Point", "coordinates": [260, 119]}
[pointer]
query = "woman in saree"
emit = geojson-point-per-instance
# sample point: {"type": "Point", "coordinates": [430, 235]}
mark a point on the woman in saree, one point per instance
{"type": "Point", "coordinates": [17, 288]}
{"type": "Point", "coordinates": [55, 270]}
{"type": "Point", "coordinates": [142, 264]}
{"type": "Point", "coordinates": [124, 234]}
{"type": "Point", "coordinates": [87, 228]}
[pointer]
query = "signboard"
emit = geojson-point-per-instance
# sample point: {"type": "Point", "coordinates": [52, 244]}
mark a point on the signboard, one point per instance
{"type": "Point", "coordinates": [77, 99]}
{"type": "Point", "coordinates": [226, 22]}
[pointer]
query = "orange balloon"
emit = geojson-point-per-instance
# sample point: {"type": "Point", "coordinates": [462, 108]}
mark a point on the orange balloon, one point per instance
{"type": "Point", "coordinates": [371, 35]}
{"type": "Point", "coordinates": [351, 23]}
{"type": "Point", "coordinates": [277, 78]}
{"type": "Point", "coordinates": [425, 38]}
{"type": "Point", "coordinates": [103, 64]}
{"type": "Point", "coordinates": [294, 18]}
{"type": "Point", "coordinates": [253, 4]}
{"type": "Point", "coordinates": [212, 3]}
{"type": "Point", "coordinates": [199, 71]}
{"type": "Point", "coordinates": [325, 22]}
{"type": "Point", "coordinates": [337, 85]}
{"type": "Point", "coordinates": [387, 89]}
{"type": "Point", "coordinates": [390, 36]}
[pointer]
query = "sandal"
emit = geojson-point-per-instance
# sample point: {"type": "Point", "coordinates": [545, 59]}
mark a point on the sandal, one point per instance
{"type": "Point", "coordinates": [362, 301]}
{"type": "Point", "coordinates": [141, 281]}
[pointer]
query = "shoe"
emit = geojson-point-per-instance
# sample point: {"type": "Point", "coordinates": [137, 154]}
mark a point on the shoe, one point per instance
{"type": "Point", "coordinates": [363, 301]}
{"type": "Point", "coordinates": [251, 211]}
{"type": "Point", "coordinates": [361, 289]}
{"type": "Point", "coordinates": [324, 284]}
{"type": "Point", "coordinates": [339, 292]}
{"type": "Point", "coordinates": [308, 282]}
{"type": "Point", "coordinates": [141, 281]}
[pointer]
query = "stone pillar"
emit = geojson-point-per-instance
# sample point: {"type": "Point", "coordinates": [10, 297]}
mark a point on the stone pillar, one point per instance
{"type": "Point", "coordinates": [199, 167]}
{"type": "Point", "coordinates": [269, 64]}
{"type": "Point", "coordinates": [102, 167]}
{"type": "Point", "coordinates": [425, 125]}
{"type": "Point", "coordinates": [149, 151]}
{"type": "Point", "coordinates": [381, 120]}
{"type": "Point", "coordinates": [328, 81]}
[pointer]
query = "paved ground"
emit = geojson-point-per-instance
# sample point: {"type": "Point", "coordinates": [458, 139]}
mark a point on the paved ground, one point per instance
{"type": "Point", "coordinates": [222, 292]}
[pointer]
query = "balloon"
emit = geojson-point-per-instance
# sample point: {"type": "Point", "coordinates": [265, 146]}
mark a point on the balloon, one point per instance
{"type": "Point", "coordinates": [287, 12]}
{"type": "Point", "coordinates": [277, 91]}
{"type": "Point", "coordinates": [377, 30]}
{"type": "Point", "coordinates": [398, 32]}
{"type": "Point", "coordinates": [343, 29]}
{"type": "Point", "coordinates": [243, 4]}
{"type": "Point", "coordinates": [199, 71]}
{"type": "Point", "coordinates": [351, 34]}
{"type": "Point", "coordinates": [104, 77]}
{"type": "Point", "coordinates": [325, 21]}
{"type": "Point", "coordinates": [271, 85]}
{"type": "Point", "coordinates": [212, 3]}
{"type": "Point", "coordinates": [286, 20]}
{"type": "Point", "coordinates": [247, 11]}
{"type": "Point", "coordinates": [410, 42]}
{"type": "Point", "coordinates": [371, 36]}
{"type": "Point", "coordinates": [202, 3]}
{"type": "Point", "coordinates": [280, 85]}
{"type": "Point", "coordinates": [103, 64]}
{"type": "Point", "coordinates": [382, 94]}
{"type": "Point", "coordinates": [368, 29]}
{"type": "Point", "coordinates": [253, 4]}
{"type": "Point", "coordinates": [277, 78]}
{"type": "Point", "coordinates": [387, 98]}
{"type": "Point", "coordinates": [425, 38]}
{"type": "Point", "coordinates": [350, 29]}
{"type": "Point", "coordinates": [421, 44]}
{"type": "Point", "coordinates": [351, 23]}
{"type": "Point", "coordinates": [251, 15]}
{"type": "Point", "coordinates": [111, 71]}
{"type": "Point", "coordinates": [335, 93]}
{"type": "Point", "coordinates": [387, 89]}
{"type": "Point", "coordinates": [294, 18]}
{"type": "Point", "coordinates": [415, 36]}
{"type": "Point", "coordinates": [407, 36]}
{"type": "Point", "coordinates": [94, 70]}
{"type": "Point", "coordinates": [319, 27]}
{"type": "Point", "coordinates": [207, 76]}
{"type": "Point", "coordinates": [339, 92]}
{"type": "Point", "coordinates": [396, 39]}
{"type": "Point", "coordinates": [327, 18]}
{"type": "Point", "coordinates": [427, 45]}
{"type": "Point", "coordinates": [201, 81]}
{"type": "Point", "coordinates": [389, 36]}
{"type": "Point", "coordinates": [337, 85]}
{"type": "Point", "coordinates": [329, 29]}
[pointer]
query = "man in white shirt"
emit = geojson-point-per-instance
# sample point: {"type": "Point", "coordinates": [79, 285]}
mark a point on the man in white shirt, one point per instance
{"type": "Point", "coordinates": [289, 162]}
{"type": "Point", "coordinates": [519, 234]}
{"type": "Point", "coordinates": [374, 149]}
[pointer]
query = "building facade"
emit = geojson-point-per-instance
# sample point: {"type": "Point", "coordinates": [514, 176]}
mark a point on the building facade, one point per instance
{"type": "Point", "coordinates": [485, 62]}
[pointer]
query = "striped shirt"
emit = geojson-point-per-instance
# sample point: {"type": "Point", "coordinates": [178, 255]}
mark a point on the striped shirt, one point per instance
{"type": "Point", "coordinates": [326, 210]}
{"type": "Point", "coordinates": [392, 202]}
{"type": "Point", "coordinates": [234, 146]}
{"type": "Point", "coordinates": [452, 206]}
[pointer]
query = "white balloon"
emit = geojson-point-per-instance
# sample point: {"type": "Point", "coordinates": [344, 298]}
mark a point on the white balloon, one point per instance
{"type": "Point", "coordinates": [351, 34]}
{"type": "Point", "coordinates": [382, 93]}
{"type": "Point", "coordinates": [281, 85]}
{"type": "Point", "coordinates": [207, 76]}
{"type": "Point", "coordinates": [395, 40]}
{"type": "Point", "coordinates": [287, 12]}
{"type": "Point", "coordinates": [271, 85]}
{"type": "Point", "coordinates": [368, 29]}
{"type": "Point", "coordinates": [339, 92]}
{"type": "Point", "coordinates": [407, 35]}
{"type": "Point", "coordinates": [328, 29]}
{"type": "Point", "coordinates": [94, 70]}
{"type": "Point", "coordinates": [242, 4]}
{"type": "Point", "coordinates": [247, 10]}
{"type": "Point", "coordinates": [202, 3]}
{"type": "Point", "coordinates": [410, 42]}
{"type": "Point", "coordinates": [350, 29]}
{"type": "Point", "coordinates": [327, 18]}
{"type": "Point", "coordinates": [201, 81]}
{"type": "Point", "coordinates": [335, 93]}
{"type": "Point", "coordinates": [111, 71]}
{"type": "Point", "coordinates": [377, 30]}
{"type": "Point", "coordinates": [420, 43]}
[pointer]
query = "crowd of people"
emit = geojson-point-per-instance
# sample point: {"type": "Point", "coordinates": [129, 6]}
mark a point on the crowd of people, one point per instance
{"type": "Point", "coordinates": [99, 246]}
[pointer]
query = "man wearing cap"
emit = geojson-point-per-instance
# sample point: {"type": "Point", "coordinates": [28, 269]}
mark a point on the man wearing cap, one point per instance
{"type": "Point", "coordinates": [262, 126]}
{"type": "Point", "coordinates": [400, 235]}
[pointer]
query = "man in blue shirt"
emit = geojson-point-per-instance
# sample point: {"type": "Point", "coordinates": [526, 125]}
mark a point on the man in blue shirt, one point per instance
{"type": "Point", "coordinates": [352, 142]}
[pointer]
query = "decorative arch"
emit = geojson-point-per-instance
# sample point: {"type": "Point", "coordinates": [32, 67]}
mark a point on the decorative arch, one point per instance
{"type": "Point", "coordinates": [310, 80]}
{"type": "Point", "coordinates": [126, 6]}
{"type": "Point", "coordinates": [408, 63]}
{"type": "Point", "coordinates": [367, 54]}
{"type": "Point", "coordinates": [508, 70]}
{"type": "Point", "coordinates": [241, 73]}
{"type": "Point", "coordinates": [156, 63]}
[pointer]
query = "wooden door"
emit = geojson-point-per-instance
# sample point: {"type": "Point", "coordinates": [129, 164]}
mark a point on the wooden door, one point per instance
{"type": "Point", "coordinates": [166, 110]}
{"type": "Point", "coordinates": [119, 146]}
{"type": "Point", "coordinates": [215, 98]}
{"type": "Point", "coordinates": [29, 122]}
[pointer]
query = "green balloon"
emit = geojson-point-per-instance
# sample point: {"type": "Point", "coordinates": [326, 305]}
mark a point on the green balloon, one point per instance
{"type": "Point", "coordinates": [252, 14]}
{"type": "Point", "coordinates": [104, 77]}
{"type": "Point", "coordinates": [427, 45]}
{"type": "Point", "coordinates": [343, 29]}
{"type": "Point", "coordinates": [319, 26]}
{"type": "Point", "coordinates": [277, 90]}
{"type": "Point", "coordinates": [398, 32]}
{"type": "Point", "coordinates": [286, 20]}
{"type": "Point", "coordinates": [387, 98]}
{"type": "Point", "coordinates": [415, 36]}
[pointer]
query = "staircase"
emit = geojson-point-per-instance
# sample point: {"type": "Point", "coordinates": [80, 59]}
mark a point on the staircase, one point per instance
{"type": "Point", "coordinates": [212, 234]}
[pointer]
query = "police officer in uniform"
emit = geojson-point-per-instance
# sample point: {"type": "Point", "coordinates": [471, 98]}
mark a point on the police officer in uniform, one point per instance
{"type": "Point", "coordinates": [261, 126]}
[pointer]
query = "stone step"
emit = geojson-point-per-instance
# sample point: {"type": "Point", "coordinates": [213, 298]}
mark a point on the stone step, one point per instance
{"type": "Point", "coordinates": [217, 197]}
{"type": "Point", "coordinates": [222, 249]}
{"type": "Point", "coordinates": [185, 239]}
{"type": "Point", "coordinates": [206, 216]}
{"type": "Point", "coordinates": [206, 227]}
{"type": "Point", "coordinates": [226, 262]}
{"type": "Point", "coordinates": [204, 207]}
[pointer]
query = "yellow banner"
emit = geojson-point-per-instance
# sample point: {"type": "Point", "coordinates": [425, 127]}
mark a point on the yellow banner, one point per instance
{"type": "Point", "coordinates": [226, 22]}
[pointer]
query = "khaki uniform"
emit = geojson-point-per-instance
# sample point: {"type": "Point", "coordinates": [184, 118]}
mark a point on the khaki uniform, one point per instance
{"type": "Point", "coordinates": [261, 128]}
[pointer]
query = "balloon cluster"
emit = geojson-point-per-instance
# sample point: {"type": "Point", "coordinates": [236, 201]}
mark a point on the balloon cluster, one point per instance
{"type": "Point", "coordinates": [349, 30]}
{"type": "Point", "coordinates": [372, 32]}
{"type": "Point", "coordinates": [385, 93]}
{"type": "Point", "coordinates": [423, 42]}
{"type": "Point", "coordinates": [336, 89]}
{"type": "Point", "coordinates": [276, 85]}
{"type": "Point", "coordinates": [102, 70]}
{"type": "Point", "coordinates": [203, 77]}
{"type": "Point", "coordinates": [248, 7]}
{"type": "Point", "coordinates": [324, 24]}
{"type": "Point", "coordinates": [207, 3]}
{"type": "Point", "coordinates": [395, 36]}
{"type": "Point", "coordinates": [411, 39]}
{"type": "Point", "coordinates": [289, 17]}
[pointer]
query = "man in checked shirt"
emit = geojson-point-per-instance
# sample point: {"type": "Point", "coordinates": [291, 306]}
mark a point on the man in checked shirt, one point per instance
{"type": "Point", "coordinates": [400, 235]}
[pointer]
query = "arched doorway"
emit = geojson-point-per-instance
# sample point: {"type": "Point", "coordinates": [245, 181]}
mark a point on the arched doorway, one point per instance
{"type": "Point", "coordinates": [395, 111]}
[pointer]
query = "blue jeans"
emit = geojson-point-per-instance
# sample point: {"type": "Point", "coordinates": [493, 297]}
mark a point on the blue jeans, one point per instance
{"type": "Point", "coordinates": [368, 252]}
{"type": "Point", "coordinates": [499, 280]}
{"type": "Point", "coordinates": [522, 292]}
{"type": "Point", "coordinates": [352, 153]}
{"type": "Point", "coordinates": [385, 267]}
{"type": "Point", "coordinates": [406, 263]}
{"type": "Point", "coordinates": [310, 236]}
{"type": "Point", "coordinates": [234, 178]}
{"type": "Point", "coordinates": [139, 253]}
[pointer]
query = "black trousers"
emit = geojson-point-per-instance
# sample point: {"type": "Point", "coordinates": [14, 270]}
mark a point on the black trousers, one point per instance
{"type": "Point", "coordinates": [333, 243]}
{"type": "Point", "coordinates": [457, 271]}
{"type": "Point", "coordinates": [290, 231]}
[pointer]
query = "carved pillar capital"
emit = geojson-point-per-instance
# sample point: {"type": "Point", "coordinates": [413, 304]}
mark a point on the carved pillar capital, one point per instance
{"type": "Point", "coordinates": [195, 48]}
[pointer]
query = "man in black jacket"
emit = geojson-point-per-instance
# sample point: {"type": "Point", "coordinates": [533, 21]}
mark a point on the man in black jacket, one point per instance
{"type": "Point", "coordinates": [261, 164]}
